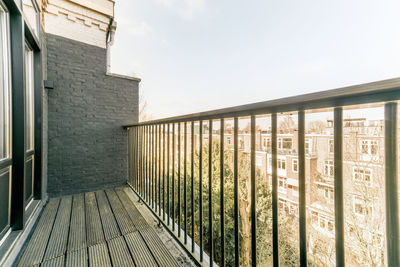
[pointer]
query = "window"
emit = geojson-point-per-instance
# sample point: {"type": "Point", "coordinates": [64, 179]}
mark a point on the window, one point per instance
{"type": "Point", "coordinates": [307, 145]}
{"type": "Point", "coordinates": [331, 147]}
{"type": "Point", "coordinates": [266, 143]}
{"type": "Point", "coordinates": [284, 143]}
{"type": "Point", "coordinates": [229, 140]}
{"type": "Point", "coordinates": [5, 91]}
{"type": "Point", "coordinates": [282, 182]}
{"type": "Point", "coordinates": [329, 168]}
{"type": "Point", "coordinates": [369, 147]}
{"type": "Point", "coordinates": [362, 175]}
{"type": "Point", "coordinates": [282, 164]}
{"type": "Point", "coordinates": [295, 165]}
{"type": "Point", "coordinates": [29, 92]}
{"type": "Point", "coordinates": [328, 194]}
{"type": "Point", "coordinates": [360, 207]}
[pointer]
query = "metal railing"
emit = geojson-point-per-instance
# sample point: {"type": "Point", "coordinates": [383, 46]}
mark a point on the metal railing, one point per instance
{"type": "Point", "coordinates": [151, 171]}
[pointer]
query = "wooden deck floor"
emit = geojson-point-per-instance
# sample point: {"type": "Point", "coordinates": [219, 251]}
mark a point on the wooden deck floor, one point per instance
{"type": "Point", "coordinates": [102, 228]}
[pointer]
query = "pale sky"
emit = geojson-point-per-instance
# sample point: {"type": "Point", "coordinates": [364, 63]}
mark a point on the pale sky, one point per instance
{"type": "Point", "coordinates": [197, 55]}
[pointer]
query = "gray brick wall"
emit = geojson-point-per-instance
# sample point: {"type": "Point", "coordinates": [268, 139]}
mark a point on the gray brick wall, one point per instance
{"type": "Point", "coordinates": [87, 147]}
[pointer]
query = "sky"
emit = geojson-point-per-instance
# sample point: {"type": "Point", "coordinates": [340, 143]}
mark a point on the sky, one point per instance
{"type": "Point", "coordinates": [198, 55]}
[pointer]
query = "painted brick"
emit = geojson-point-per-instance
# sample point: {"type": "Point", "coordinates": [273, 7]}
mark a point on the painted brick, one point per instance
{"type": "Point", "coordinates": [87, 147]}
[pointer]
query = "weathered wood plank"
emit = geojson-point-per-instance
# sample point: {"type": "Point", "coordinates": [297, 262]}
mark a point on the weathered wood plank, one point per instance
{"type": "Point", "coordinates": [137, 218]}
{"type": "Point", "coordinates": [140, 252]}
{"type": "Point", "coordinates": [98, 255]}
{"type": "Point", "coordinates": [59, 235]}
{"type": "Point", "coordinates": [77, 233]}
{"type": "Point", "coordinates": [157, 248]}
{"type": "Point", "coordinates": [77, 258]}
{"type": "Point", "coordinates": [36, 247]}
{"type": "Point", "coordinates": [55, 262]}
{"type": "Point", "coordinates": [119, 252]}
{"type": "Point", "coordinates": [94, 230]}
{"type": "Point", "coordinates": [110, 226]}
{"type": "Point", "coordinates": [124, 222]}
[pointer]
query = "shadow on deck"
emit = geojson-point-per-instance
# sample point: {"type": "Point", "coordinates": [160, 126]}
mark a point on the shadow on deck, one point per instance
{"type": "Point", "coordinates": [102, 228]}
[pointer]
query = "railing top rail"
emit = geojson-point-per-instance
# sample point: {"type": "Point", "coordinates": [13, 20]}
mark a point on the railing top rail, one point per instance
{"type": "Point", "coordinates": [379, 91]}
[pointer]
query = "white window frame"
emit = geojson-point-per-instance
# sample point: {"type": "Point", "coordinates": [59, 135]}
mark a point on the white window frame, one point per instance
{"type": "Point", "coordinates": [30, 99]}
{"type": "Point", "coordinates": [282, 163]}
{"type": "Point", "coordinates": [331, 168]}
{"type": "Point", "coordinates": [357, 200]}
{"type": "Point", "coordinates": [6, 77]}
{"type": "Point", "coordinates": [297, 165]}
{"type": "Point", "coordinates": [331, 146]}
{"type": "Point", "coordinates": [369, 144]}
{"type": "Point", "coordinates": [361, 171]}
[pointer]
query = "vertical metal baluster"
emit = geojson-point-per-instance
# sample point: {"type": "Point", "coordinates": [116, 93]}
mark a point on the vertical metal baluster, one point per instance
{"type": "Point", "coordinates": [302, 189]}
{"type": "Point", "coordinates": [179, 179]}
{"type": "Point", "coordinates": [392, 216]}
{"type": "Point", "coordinates": [159, 170]}
{"type": "Point", "coordinates": [156, 169]}
{"type": "Point", "coordinates": [153, 168]}
{"type": "Point", "coordinates": [339, 220]}
{"type": "Point", "coordinates": [152, 165]}
{"type": "Point", "coordinates": [222, 183]}
{"type": "Point", "coordinates": [274, 191]}
{"type": "Point", "coordinates": [143, 161]}
{"type": "Point", "coordinates": [163, 184]}
{"type": "Point", "coordinates": [201, 188]}
{"type": "Point", "coordinates": [168, 167]}
{"type": "Point", "coordinates": [141, 141]}
{"type": "Point", "coordinates": [135, 163]}
{"type": "Point", "coordinates": [147, 163]}
{"type": "Point", "coordinates": [185, 180]}
{"type": "Point", "coordinates": [173, 177]}
{"type": "Point", "coordinates": [253, 192]}
{"type": "Point", "coordinates": [210, 200]}
{"type": "Point", "coordinates": [236, 187]}
{"type": "Point", "coordinates": [192, 180]}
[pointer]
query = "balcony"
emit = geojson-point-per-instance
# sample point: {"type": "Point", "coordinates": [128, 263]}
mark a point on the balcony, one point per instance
{"type": "Point", "coordinates": [102, 228]}
{"type": "Point", "coordinates": [224, 210]}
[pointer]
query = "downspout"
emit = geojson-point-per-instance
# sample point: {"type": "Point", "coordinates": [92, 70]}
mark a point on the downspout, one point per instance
{"type": "Point", "coordinates": [110, 40]}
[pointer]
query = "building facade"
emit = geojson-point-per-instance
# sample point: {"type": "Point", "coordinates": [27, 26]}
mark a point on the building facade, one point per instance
{"type": "Point", "coordinates": [61, 108]}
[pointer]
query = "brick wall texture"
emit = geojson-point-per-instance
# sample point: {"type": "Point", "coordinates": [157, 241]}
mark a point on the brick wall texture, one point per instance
{"type": "Point", "coordinates": [87, 146]}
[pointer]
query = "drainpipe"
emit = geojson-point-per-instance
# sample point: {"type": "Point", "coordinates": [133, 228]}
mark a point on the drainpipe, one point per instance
{"type": "Point", "coordinates": [112, 26]}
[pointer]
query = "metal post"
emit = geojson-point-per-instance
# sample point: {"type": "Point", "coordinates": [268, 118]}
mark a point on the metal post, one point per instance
{"type": "Point", "coordinates": [201, 189]}
{"type": "Point", "coordinates": [253, 192]}
{"type": "Point", "coordinates": [275, 244]}
{"type": "Point", "coordinates": [185, 180]}
{"type": "Point", "coordinates": [302, 189]}
{"type": "Point", "coordinates": [236, 188]}
{"type": "Point", "coordinates": [192, 180]}
{"type": "Point", "coordinates": [339, 219]}
{"type": "Point", "coordinates": [392, 214]}
{"type": "Point", "coordinates": [210, 200]}
{"type": "Point", "coordinates": [222, 183]}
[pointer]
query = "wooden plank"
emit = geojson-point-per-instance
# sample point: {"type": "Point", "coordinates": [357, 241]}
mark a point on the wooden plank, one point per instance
{"type": "Point", "coordinates": [36, 247]}
{"type": "Point", "coordinates": [94, 230]}
{"type": "Point", "coordinates": [77, 233]}
{"type": "Point", "coordinates": [59, 236]}
{"type": "Point", "coordinates": [110, 226]}
{"type": "Point", "coordinates": [124, 222]}
{"type": "Point", "coordinates": [119, 252]}
{"type": "Point", "coordinates": [139, 250]}
{"type": "Point", "coordinates": [98, 255]}
{"type": "Point", "coordinates": [55, 262]}
{"type": "Point", "coordinates": [133, 212]}
{"type": "Point", "coordinates": [157, 248]}
{"type": "Point", "coordinates": [77, 258]}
